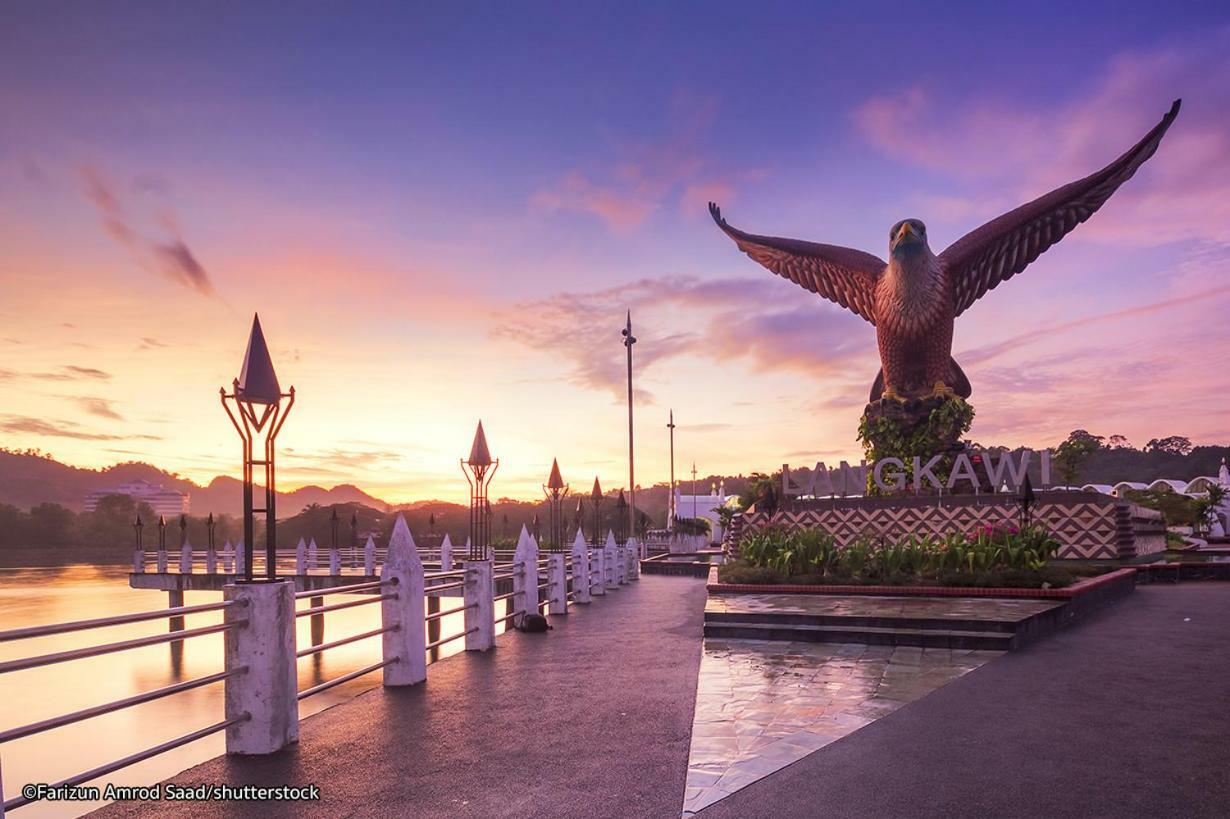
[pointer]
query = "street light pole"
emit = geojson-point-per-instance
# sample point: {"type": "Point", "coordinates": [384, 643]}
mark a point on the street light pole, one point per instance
{"type": "Point", "coordinates": [629, 340]}
{"type": "Point", "coordinates": [671, 511]}
{"type": "Point", "coordinates": [693, 490]}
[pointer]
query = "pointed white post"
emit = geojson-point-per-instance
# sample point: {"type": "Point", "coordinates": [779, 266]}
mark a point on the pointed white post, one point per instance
{"type": "Point", "coordinates": [580, 570]}
{"type": "Point", "coordinates": [525, 575]}
{"type": "Point", "coordinates": [446, 554]}
{"type": "Point", "coordinates": [335, 561]}
{"type": "Point", "coordinates": [162, 561]}
{"type": "Point", "coordinates": [239, 561]}
{"type": "Point", "coordinates": [597, 582]}
{"type": "Point", "coordinates": [557, 584]}
{"type": "Point", "coordinates": [211, 563]}
{"type": "Point", "coordinates": [138, 567]}
{"type": "Point", "coordinates": [300, 557]}
{"type": "Point", "coordinates": [312, 564]}
{"type": "Point", "coordinates": [369, 556]}
{"type": "Point", "coordinates": [610, 560]}
{"type": "Point", "coordinates": [228, 558]}
{"type": "Point", "coordinates": [185, 557]}
{"type": "Point", "coordinates": [405, 636]}
{"type": "Point", "coordinates": [634, 559]}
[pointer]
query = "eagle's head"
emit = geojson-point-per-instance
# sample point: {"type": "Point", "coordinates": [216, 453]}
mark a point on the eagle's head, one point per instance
{"type": "Point", "coordinates": [907, 238]}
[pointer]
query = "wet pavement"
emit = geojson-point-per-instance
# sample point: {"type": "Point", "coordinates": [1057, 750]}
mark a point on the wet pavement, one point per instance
{"type": "Point", "coordinates": [762, 705]}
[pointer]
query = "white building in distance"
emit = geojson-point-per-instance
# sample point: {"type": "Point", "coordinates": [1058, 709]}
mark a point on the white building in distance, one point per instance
{"type": "Point", "coordinates": [162, 501]}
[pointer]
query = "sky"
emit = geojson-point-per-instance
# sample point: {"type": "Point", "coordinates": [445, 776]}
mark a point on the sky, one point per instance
{"type": "Point", "coordinates": [442, 212]}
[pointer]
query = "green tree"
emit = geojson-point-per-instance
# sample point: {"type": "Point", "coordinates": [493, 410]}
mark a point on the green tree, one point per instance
{"type": "Point", "coordinates": [1071, 455]}
{"type": "Point", "coordinates": [1174, 445]}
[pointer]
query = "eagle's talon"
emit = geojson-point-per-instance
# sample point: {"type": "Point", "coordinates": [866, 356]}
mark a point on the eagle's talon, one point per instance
{"type": "Point", "coordinates": [942, 390]}
{"type": "Point", "coordinates": [890, 394]}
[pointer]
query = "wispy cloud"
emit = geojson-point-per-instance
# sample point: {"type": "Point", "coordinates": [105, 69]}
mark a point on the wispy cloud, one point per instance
{"type": "Point", "coordinates": [70, 372]}
{"type": "Point", "coordinates": [767, 324]}
{"type": "Point", "coordinates": [101, 407]}
{"type": "Point", "coordinates": [25, 425]}
{"type": "Point", "coordinates": [168, 256]}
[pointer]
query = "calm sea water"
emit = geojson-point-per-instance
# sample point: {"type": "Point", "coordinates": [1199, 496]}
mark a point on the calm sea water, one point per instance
{"type": "Point", "coordinates": [30, 597]}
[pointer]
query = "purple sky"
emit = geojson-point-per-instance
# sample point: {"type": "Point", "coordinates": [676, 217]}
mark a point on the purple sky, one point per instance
{"type": "Point", "coordinates": [442, 213]}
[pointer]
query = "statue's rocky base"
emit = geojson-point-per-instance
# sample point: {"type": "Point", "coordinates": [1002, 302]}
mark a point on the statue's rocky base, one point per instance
{"type": "Point", "coordinates": [916, 427]}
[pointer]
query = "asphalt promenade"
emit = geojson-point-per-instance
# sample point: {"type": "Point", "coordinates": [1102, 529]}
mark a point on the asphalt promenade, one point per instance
{"type": "Point", "coordinates": [592, 719]}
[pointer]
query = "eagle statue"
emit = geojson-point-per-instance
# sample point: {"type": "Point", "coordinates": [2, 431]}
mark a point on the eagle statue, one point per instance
{"type": "Point", "coordinates": [914, 298]}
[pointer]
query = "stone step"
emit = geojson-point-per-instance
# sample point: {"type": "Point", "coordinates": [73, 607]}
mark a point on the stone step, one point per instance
{"type": "Point", "coordinates": [912, 622]}
{"type": "Point", "coordinates": [868, 635]}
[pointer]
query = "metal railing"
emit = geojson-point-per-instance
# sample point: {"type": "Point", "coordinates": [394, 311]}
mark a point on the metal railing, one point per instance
{"type": "Point", "coordinates": [258, 616]}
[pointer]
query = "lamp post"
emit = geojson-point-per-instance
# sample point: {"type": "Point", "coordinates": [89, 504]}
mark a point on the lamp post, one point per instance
{"type": "Point", "coordinates": [162, 533]}
{"type": "Point", "coordinates": [479, 469]}
{"type": "Point", "coordinates": [556, 490]}
{"type": "Point", "coordinates": [671, 511]}
{"type": "Point", "coordinates": [257, 399]}
{"type": "Point", "coordinates": [629, 340]}
{"type": "Point", "coordinates": [693, 490]}
{"type": "Point", "coordinates": [578, 518]}
{"type": "Point", "coordinates": [137, 527]}
{"type": "Point", "coordinates": [621, 519]}
{"type": "Point", "coordinates": [595, 500]}
{"type": "Point", "coordinates": [211, 549]}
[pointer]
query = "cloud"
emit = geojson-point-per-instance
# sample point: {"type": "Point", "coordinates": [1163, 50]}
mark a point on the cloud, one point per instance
{"type": "Point", "coordinates": [148, 343]}
{"type": "Point", "coordinates": [25, 425]}
{"type": "Point", "coordinates": [169, 257]}
{"type": "Point", "coordinates": [101, 407]}
{"type": "Point", "coordinates": [980, 355]}
{"type": "Point", "coordinates": [1002, 155]}
{"type": "Point", "coordinates": [647, 177]}
{"type": "Point", "coordinates": [765, 323]}
{"type": "Point", "coordinates": [70, 372]}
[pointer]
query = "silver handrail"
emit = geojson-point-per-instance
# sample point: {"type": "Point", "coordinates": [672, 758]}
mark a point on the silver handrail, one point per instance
{"type": "Point", "coordinates": [103, 622]}
{"type": "Point", "coordinates": [93, 651]}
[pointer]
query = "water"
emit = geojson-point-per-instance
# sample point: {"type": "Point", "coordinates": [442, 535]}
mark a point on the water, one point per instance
{"type": "Point", "coordinates": [30, 597]}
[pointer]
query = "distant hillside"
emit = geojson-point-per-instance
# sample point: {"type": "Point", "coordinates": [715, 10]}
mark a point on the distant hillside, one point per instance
{"type": "Point", "coordinates": [30, 478]}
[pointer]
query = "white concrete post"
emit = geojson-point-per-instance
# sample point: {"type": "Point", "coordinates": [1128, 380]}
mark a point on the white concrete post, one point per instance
{"type": "Point", "coordinates": [580, 570]}
{"type": "Point", "coordinates": [228, 556]}
{"type": "Point", "coordinates": [265, 644]}
{"type": "Point", "coordinates": [162, 561]}
{"type": "Point", "coordinates": [185, 557]}
{"type": "Point", "coordinates": [369, 555]}
{"type": "Point", "coordinates": [211, 559]}
{"type": "Point", "coordinates": [300, 557]}
{"type": "Point", "coordinates": [138, 566]}
{"type": "Point", "coordinates": [405, 641]}
{"type": "Point", "coordinates": [480, 607]}
{"type": "Point", "coordinates": [446, 555]}
{"type": "Point", "coordinates": [239, 561]}
{"type": "Point", "coordinates": [335, 561]}
{"type": "Point", "coordinates": [609, 560]}
{"type": "Point", "coordinates": [525, 575]}
{"type": "Point", "coordinates": [557, 580]}
{"type": "Point", "coordinates": [312, 564]}
{"type": "Point", "coordinates": [597, 583]}
{"type": "Point", "coordinates": [634, 559]}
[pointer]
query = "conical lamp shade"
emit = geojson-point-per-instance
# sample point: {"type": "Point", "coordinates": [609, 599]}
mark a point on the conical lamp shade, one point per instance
{"type": "Point", "coordinates": [258, 383]}
{"type": "Point", "coordinates": [556, 481]}
{"type": "Point", "coordinates": [597, 493]}
{"type": "Point", "coordinates": [479, 454]}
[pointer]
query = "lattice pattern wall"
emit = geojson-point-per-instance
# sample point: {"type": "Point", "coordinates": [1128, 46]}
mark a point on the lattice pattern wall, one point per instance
{"type": "Point", "coordinates": [1087, 527]}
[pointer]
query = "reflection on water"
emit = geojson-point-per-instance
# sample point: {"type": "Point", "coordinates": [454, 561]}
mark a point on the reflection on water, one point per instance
{"type": "Point", "coordinates": [30, 597]}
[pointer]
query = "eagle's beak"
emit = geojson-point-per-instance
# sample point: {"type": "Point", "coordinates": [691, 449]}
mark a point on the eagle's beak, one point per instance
{"type": "Point", "coordinates": [906, 232]}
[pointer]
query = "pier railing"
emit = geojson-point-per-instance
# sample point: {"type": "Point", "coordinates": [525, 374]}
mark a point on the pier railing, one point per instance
{"type": "Point", "coordinates": [259, 663]}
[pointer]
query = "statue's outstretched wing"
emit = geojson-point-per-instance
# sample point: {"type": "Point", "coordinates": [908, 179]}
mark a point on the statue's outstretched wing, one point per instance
{"type": "Point", "coordinates": [1003, 247]}
{"type": "Point", "coordinates": [840, 274]}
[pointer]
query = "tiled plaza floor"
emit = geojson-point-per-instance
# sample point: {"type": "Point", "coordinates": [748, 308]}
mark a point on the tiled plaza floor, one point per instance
{"type": "Point", "coordinates": [762, 705]}
{"type": "Point", "coordinates": [956, 608]}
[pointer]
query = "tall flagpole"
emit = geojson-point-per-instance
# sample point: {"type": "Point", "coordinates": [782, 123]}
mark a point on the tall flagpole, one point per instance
{"type": "Point", "coordinates": [629, 340]}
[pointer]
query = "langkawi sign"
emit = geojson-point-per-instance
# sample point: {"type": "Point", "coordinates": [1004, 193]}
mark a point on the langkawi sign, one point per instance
{"type": "Point", "coordinates": [893, 474]}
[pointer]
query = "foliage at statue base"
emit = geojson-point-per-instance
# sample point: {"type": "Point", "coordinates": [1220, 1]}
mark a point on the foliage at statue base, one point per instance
{"type": "Point", "coordinates": [916, 427]}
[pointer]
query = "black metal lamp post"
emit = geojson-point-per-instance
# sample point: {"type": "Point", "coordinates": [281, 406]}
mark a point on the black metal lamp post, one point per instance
{"type": "Point", "coordinates": [1028, 499]}
{"type": "Point", "coordinates": [333, 521]}
{"type": "Point", "coordinates": [578, 518]}
{"type": "Point", "coordinates": [210, 546]}
{"type": "Point", "coordinates": [630, 513]}
{"type": "Point", "coordinates": [137, 526]}
{"type": "Point", "coordinates": [183, 530]}
{"type": "Point", "coordinates": [479, 469]}
{"type": "Point", "coordinates": [537, 528]}
{"type": "Point", "coordinates": [595, 500]}
{"type": "Point", "coordinates": [162, 534]}
{"type": "Point", "coordinates": [258, 405]}
{"type": "Point", "coordinates": [621, 519]}
{"type": "Point", "coordinates": [556, 490]}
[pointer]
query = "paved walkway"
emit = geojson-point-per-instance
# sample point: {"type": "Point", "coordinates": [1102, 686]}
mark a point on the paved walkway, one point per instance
{"type": "Point", "coordinates": [589, 720]}
{"type": "Point", "coordinates": [1124, 714]}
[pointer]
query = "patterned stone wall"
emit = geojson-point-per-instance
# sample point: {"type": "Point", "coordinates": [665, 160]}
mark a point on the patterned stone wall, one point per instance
{"type": "Point", "coordinates": [1088, 525]}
